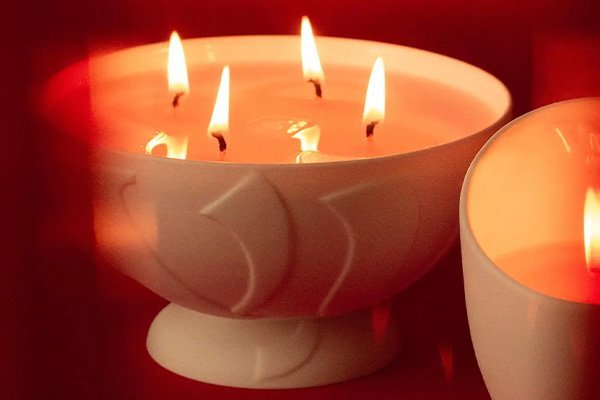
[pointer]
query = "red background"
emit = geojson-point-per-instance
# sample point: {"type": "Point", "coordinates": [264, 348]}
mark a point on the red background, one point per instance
{"type": "Point", "coordinates": [70, 329]}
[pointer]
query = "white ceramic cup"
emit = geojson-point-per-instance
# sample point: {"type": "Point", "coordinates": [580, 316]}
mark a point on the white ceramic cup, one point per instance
{"type": "Point", "coordinates": [532, 304]}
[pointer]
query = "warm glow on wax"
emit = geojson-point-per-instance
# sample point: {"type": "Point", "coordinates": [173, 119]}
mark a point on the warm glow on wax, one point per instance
{"type": "Point", "coordinates": [311, 65]}
{"type": "Point", "coordinates": [375, 100]}
{"type": "Point", "coordinates": [176, 69]}
{"type": "Point", "coordinates": [175, 148]}
{"type": "Point", "coordinates": [591, 230]}
{"type": "Point", "coordinates": [309, 138]}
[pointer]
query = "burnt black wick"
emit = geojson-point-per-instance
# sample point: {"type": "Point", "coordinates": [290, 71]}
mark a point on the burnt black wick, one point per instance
{"type": "Point", "coordinates": [221, 139]}
{"type": "Point", "coordinates": [176, 99]}
{"type": "Point", "coordinates": [318, 88]}
{"type": "Point", "coordinates": [371, 128]}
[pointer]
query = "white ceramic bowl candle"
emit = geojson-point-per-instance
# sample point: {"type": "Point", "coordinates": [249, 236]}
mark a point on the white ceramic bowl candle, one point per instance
{"type": "Point", "coordinates": [528, 207]}
{"type": "Point", "coordinates": [255, 251]}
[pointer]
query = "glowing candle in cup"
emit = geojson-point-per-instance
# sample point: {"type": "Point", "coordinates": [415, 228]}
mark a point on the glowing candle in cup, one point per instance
{"type": "Point", "coordinates": [530, 244]}
{"type": "Point", "coordinates": [565, 270]}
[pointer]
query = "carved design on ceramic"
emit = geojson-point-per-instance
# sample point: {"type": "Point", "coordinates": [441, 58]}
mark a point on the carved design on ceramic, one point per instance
{"type": "Point", "coordinates": [127, 230]}
{"type": "Point", "coordinates": [280, 359]}
{"type": "Point", "coordinates": [213, 251]}
{"type": "Point", "coordinates": [380, 221]}
{"type": "Point", "coordinates": [250, 207]}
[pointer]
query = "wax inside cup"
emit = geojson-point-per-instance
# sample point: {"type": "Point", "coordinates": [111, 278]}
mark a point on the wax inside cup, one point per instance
{"type": "Point", "coordinates": [266, 100]}
{"type": "Point", "coordinates": [557, 270]}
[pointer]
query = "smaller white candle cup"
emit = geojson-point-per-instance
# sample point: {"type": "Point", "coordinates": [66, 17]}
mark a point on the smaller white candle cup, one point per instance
{"type": "Point", "coordinates": [277, 271]}
{"type": "Point", "coordinates": [532, 305]}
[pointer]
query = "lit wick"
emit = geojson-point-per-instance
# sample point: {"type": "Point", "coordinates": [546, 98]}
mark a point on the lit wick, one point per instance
{"type": "Point", "coordinates": [219, 122]}
{"type": "Point", "coordinates": [318, 89]}
{"type": "Point", "coordinates": [177, 70]}
{"type": "Point", "coordinates": [311, 64]}
{"type": "Point", "coordinates": [176, 99]}
{"type": "Point", "coordinates": [222, 143]}
{"type": "Point", "coordinates": [374, 111]}
{"type": "Point", "coordinates": [371, 128]}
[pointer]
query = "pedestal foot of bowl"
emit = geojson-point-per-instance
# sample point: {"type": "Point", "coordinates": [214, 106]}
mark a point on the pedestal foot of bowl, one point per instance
{"type": "Point", "coordinates": [272, 353]}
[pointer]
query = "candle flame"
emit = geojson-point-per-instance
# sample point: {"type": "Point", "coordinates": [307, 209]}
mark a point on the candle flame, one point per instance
{"type": "Point", "coordinates": [591, 230]}
{"type": "Point", "coordinates": [176, 68]}
{"type": "Point", "coordinates": [311, 64]}
{"type": "Point", "coordinates": [176, 147]}
{"type": "Point", "coordinates": [219, 122]}
{"type": "Point", "coordinates": [375, 99]}
{"type": "Point", "coordinates": [309, 138]}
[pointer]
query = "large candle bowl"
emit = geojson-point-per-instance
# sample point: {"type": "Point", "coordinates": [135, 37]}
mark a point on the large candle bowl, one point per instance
{"type": "Point", "coordinates": [533, 307]}
{"type": "Point", "coordinates": [277, 272]}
